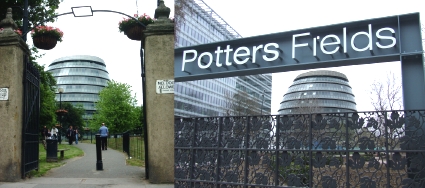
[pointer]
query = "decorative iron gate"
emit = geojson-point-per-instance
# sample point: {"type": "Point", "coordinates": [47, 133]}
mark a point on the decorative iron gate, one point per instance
{"type": "Point", "coordinates": [31, 113]}
{"type": "Point", "coordinates": [364, 149]}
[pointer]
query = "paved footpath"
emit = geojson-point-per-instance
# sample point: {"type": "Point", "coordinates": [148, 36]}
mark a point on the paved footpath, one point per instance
{"type": "Point", "coordinates": [81, 172]}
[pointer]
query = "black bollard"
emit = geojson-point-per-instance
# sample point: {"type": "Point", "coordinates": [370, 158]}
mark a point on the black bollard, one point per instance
{"type": "Point", "coordinates": [99, 163]}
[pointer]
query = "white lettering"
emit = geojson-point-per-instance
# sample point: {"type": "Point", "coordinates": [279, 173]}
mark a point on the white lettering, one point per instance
{"type": "Point", "coordinates": [297, 45]}
{"type": "Point", "coordinates": [200, 60]}
{"type": "Point", "coordinates": [323, 44]}
{"type": "Point", "coordinates": [254, 52]}
{"type": "Point", "coordinates": [227, 50]}
{"type": "Point", "coordinates": [267, 50]}
{"type": "Point", "coordinates": [369, 35]}
{"type": "Point", "coordinates": [379, 36]}
{"type": "Point", "coordinates": [217, 59]}
{"type": "Point", "coordinates": [195, 53]}
{"type": "Point", "coordinates": [344, 36]}
{"type": "Point", "coordinates": [237, 55]}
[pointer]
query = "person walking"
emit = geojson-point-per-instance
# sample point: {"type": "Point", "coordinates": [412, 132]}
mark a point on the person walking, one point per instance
{"type": "Point", "coordinates": [103, 131]}
{"type": "Point", "coordinates": [76, 135]}
{"type": "Point", "coordinates": [54, 132]}
{"type": "Point", "coordinates": [44, 133]}
{"type": "Point", "coordinates": [70, 135]}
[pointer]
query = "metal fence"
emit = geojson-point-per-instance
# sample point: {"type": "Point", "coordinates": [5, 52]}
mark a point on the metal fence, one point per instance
{"type": "Point", "coordinates": [130, 142]}
{"type": "Point", "coordinates": [367, 149]}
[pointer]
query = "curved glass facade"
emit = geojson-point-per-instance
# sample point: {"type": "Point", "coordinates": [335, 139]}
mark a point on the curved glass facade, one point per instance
{"type": "Point", "coordinates": [81, 77]}
{"type": "Point", "coordinates": [321, 91]}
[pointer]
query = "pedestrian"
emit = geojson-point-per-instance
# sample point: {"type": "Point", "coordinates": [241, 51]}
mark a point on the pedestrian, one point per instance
{"type": "Point", "coordinates": [103, 131]}
{"type": "Point", "coordinates": [44, 133]}
{"type": "Point", "coordinates": [70, 135]}
{"type": "Point", "coordinates": [76, 135]}
{"type": "Point", "coordinates": [54, 132]}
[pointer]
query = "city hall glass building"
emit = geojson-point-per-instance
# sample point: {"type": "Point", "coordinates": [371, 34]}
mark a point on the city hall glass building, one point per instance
{"type": "Point", "coordinates": [212, 97]}
{"type": "Point", "coordinates": [319, 91]}
{"type": "Point", "coordinates": [81, 77]}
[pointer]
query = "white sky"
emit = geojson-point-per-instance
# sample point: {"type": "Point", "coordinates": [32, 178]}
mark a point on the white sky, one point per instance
{"type": "Point", "coordinates": [99, 36]}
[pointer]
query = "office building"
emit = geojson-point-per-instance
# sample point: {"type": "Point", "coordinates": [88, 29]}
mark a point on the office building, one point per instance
{"type": "Point", "coordinates": [81, 77]}
{"type": "Point", "coordinates": [321, 91]}
{"type": "Point", "coordinates": [216, 97]}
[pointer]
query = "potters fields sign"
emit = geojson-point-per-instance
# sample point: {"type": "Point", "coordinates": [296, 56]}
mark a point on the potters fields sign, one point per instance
{"type": "Point", "coordinates": [362, 42]}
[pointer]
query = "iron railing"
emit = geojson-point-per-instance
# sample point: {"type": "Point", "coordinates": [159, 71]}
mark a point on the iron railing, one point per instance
{"type": "Point", "coordinates": [130, 142]}
{"type": "Point", "coordinates": [363, 149]}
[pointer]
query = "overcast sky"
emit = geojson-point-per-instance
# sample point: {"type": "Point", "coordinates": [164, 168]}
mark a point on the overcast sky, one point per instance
{"type": "Point", "coordinates": [99, 36]}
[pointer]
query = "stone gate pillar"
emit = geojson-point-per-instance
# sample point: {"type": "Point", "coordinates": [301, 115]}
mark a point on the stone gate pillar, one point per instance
{"type": "Point", "coordinates": [159, 65]}
{"type": "Point", "coordinates": [12, 50]}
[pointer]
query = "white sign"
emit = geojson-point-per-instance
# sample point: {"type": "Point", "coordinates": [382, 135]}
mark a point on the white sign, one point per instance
{"type": "Point", "coordinates": [4, 94]}
{"type": "Point", "coordinates": [164, 86]}
{"type": "Point", "coordinates": [272, 51]}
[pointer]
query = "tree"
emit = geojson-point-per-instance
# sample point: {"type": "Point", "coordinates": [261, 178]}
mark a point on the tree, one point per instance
{"type": "Point", "coordinates": [38, 10]}
{"type": "Point", "coordinates": [116, 108]}
{"type": "Point", "coordinates": [47, 97]}
{"type": "Point", "coordinates": [181, 8]}
{"type": "Point", "coordinates": [74, 117]}
{"type": "Point", "coordinates": [386, 95]}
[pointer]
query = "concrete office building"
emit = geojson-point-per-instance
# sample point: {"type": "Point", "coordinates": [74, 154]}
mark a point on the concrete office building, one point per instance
{"type": "Point", "coordinates": [211, 97]}
{"type": "Point", "coordinates": [319, 91]}
{"type": "Point", "coordinates": [81, 77]}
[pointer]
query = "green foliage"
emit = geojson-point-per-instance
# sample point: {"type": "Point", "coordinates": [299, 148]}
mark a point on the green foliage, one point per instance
{"type": "Point", "coordinates": [116, 108]}
{"type": "Point", "coordinates": [47, 97]}
{"type": "Point", "coordinates": [38, 10]}
{"type": "Point", "coordinates": [74, 117]}
{"type": "Point", "coordinates": [128, 23]}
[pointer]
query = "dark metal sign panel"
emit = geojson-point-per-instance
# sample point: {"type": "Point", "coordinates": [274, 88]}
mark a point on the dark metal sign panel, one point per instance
{"type": "Point", "coordinates": [360, 42]}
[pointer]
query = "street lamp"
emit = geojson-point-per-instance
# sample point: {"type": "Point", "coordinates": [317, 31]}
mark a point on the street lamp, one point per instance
{"type": "Point", "coordinates": [60, 90]}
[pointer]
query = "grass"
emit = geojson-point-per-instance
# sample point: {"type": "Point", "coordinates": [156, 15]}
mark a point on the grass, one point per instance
{"type": "Point", "coordinates": [44, 167]}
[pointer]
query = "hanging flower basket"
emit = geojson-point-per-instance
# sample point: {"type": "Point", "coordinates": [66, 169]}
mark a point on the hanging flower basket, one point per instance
{"type": "Point", "coordinates": [44, 42]}
{"type": "Point", "coordinates": [135, 32]}
{"type": "Point", "coordinates": [61, 112]}
{"type": "Point", "coordinates": [46, 37]}
{"type": "Point", "coordinates": [132, 28]}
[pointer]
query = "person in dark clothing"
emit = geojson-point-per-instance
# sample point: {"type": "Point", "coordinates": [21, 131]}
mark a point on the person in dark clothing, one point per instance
{"type": "Point", "coordinates": [70, 135]}
{"type": "Point", "coordinates": [44, 133]}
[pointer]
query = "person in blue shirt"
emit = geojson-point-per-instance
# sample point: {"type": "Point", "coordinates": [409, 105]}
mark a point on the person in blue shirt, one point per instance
{"type": "Point", "coordinates": [103, 131]}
